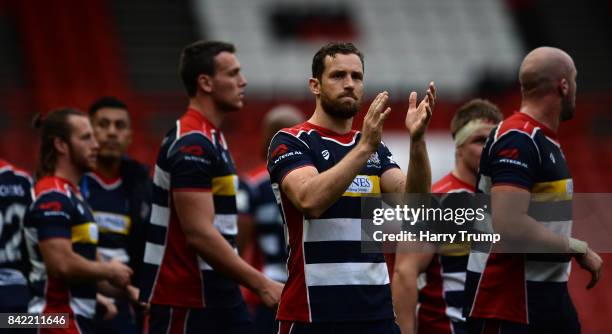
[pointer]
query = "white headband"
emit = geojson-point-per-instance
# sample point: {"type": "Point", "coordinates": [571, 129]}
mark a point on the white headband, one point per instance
{"type": "Point", "coordinates": [467, 130]}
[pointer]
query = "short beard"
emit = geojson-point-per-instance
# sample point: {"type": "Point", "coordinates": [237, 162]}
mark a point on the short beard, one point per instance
{"type": "Point", "coordinates": [336, 109]}
{"type": "Point", "coordinates": [79, 161]}
{"type": "Point", "coordinates": [567, 110]}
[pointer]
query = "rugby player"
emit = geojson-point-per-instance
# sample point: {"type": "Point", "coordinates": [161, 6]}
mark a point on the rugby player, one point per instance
{"type": "Point", "coordinates": [319, 170]}
{"type": "Point", "coordinates": [15, 197]}
{"type": "Point", "coordinates": [441, 299]}
{"type": "Point", "coordinates": [192, 271]}
{"type": "Point", "coordinates": [60, 227]}
{"type": "Point", "coordinates": [119, 192]}
{"type": "Point", "coordinates": [525, 171]}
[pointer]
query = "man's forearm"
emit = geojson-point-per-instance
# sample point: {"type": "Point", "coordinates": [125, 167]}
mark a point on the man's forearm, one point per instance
{"type": "Point", "coordinates": [522, 233]}
{"type": "Point", "coordinates": [322, 190]}
{"type": "Point", "coordinates": [75, 268]}
{"type": "Point", "coordinates": [405, 295]}
{"type": "Point", "coordinates": [216, 251]}
{"type": "Point", "coordinates": [418, 179]}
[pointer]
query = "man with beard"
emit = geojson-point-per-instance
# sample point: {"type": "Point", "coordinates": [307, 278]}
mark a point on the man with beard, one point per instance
{"type": "Point", "coordinates": [192, 272]}
{"type": "Point", "coordinates": [319, 170]}
{"type": "Point", "coordinates": [525, 172]}
{"type": "Point", "coordinates": [60, 227]}
{"type": "Point", "coordinates": [119, 192]}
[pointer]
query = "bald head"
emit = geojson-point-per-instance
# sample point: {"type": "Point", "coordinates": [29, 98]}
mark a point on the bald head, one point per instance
{"type": "Point", "coordinates": [280, 117]}
{"type": "Point", "coordinates": [542, 71]}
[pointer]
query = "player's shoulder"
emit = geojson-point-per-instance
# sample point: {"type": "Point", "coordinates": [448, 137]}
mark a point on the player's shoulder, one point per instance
{"type": "Point", "coordinates": [287, 139]}
{"type": "Point", "coordinates": [52, 187]}
{"type": "Point", "coordinates": [343, 139]}
{"type": "Point", "coordinates": [295, 130]}
{"type": "Point", "coordinates": [194, 143]}
{"type": "Point", "coordinates": [304, 131]}
{"type": "Point", "coordinates": [52, 198]}
{"type": "Point", "coordinates": [519, 125]}
{"type": "Point", "coordinates": [194, 124]}
{"type": "Point", "coordinates": [8, 168]}
{"type": "Point", "coordinates": [295, 134]}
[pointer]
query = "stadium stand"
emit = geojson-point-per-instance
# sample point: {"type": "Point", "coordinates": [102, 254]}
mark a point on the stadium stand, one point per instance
{"type": "Point", "coordinates": [69, 52]}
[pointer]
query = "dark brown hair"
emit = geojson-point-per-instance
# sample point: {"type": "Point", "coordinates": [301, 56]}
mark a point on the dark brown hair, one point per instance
{"type": "Point", "coordinates": [54, 124]}
{"type": "Point", "coordinates": [332, 49]}
{"type": "Point", "coordinates": [199, 58]}
{"type": "Point", "coordinates": [107, 102]}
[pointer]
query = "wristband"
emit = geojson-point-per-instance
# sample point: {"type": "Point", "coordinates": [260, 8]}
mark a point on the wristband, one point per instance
{"type": "Point", "coordinates": [578, 246]}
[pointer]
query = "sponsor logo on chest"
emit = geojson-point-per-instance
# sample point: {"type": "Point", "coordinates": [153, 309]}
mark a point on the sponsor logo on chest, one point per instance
{"type": "Point", "coordinates": [361, 184]}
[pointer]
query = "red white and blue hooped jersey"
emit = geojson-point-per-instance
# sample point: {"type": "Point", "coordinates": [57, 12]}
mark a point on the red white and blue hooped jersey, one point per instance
{"type": "Point", "coordinates": [59, 211]}
{"type": "Point", "coordinates": [442, 298]}
{"type": "Point", "coordinates": [330, 278]}
{"type": "Point", "coordinates": [15, 197]}
{"type": "Point", "coordinates": [110, 205]}
{"type": "Point", "coordinates": [193, 157]}
{"type": "Point", "coordinates": [516, 287]}
{"type": "Point", "coordinates": [269, 232]}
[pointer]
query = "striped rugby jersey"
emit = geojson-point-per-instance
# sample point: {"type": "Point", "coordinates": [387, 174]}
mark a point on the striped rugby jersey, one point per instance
{"type": "Point", "coordinates": [193, 157]}
{"type": "Point", "coordinates": [267, 221]}
{"type": "Point", "coordinates": [59, 211]}
{"type": "Point", "coordinates": [441, 299]}
{"type": "Point", "coordinates": [15, 197]}
{"type": "Point", "coordinates": [330, 279]}
{"type": "Point", "coordinates": [522, 287]}
{"type": "Point", "coordinates": [108, 199]}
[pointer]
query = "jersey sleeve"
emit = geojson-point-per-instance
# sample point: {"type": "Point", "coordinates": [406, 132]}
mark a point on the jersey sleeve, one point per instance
{"type": "Point", "coordinates": [513, 160]}
{"type": "Point", "coordinates": [386, 158]}
{"type": "Point", "coordinates": [286, 154]}
{"type": "Point", "coordinates": [192, 163]}
{"type": "Point", "coordinates": [51, 215]}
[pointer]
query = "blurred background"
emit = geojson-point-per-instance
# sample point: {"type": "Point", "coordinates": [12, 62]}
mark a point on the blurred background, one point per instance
{"type": "Point", "coordinates": [69, 52]}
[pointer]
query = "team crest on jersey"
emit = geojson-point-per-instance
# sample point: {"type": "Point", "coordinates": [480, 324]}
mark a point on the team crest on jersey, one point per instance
{"type": "Point", "coordinates": [374, 160]}
{"type": "Point", "coordinates": [325, 154]}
